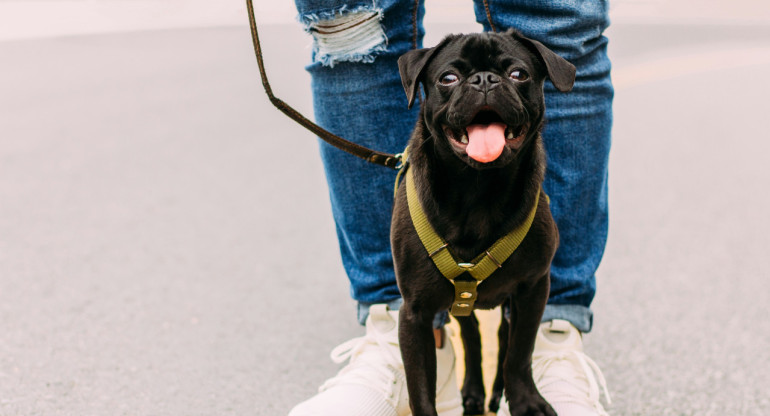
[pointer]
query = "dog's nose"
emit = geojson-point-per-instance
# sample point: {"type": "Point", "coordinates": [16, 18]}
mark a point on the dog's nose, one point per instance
{"type": "Point", "coordinates": [484, 81]}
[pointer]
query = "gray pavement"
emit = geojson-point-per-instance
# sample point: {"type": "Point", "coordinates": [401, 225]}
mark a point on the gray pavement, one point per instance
{"type": "Point", "coordinates": [152, 202]}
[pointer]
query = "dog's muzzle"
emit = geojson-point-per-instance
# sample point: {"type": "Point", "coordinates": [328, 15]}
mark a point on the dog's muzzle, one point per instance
{"type": "Point", "coordinates": [486, 137]}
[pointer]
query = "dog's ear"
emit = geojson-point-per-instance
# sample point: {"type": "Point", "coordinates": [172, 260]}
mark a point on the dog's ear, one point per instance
{"type": "Point", "coordinates": [560, 71]}
{"type": "Point", "coordinates": [411, 66]}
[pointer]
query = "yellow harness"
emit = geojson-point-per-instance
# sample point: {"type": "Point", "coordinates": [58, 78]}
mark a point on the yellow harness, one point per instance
{"type": "Point", "coordinates": [479, 268]}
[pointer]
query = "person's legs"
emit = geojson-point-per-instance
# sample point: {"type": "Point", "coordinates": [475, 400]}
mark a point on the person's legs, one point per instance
{"type": "Point", "coordinates": [357, 94]}
{"type": "Point", "coordinates": [577, 140]}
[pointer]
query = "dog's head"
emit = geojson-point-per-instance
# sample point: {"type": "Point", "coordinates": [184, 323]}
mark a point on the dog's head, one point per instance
{"type": "Point", "coordinates": [484, 92]}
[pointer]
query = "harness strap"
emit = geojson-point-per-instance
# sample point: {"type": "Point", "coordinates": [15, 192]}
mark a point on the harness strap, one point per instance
{"type": "Point", "coordinates": [479, 268]}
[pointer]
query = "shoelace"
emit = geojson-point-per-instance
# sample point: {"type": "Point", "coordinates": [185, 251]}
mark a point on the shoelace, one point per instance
{"type": "Point", "coordinates": [551, 368]}
{"type": "Point", "coordinates": [372, 363]}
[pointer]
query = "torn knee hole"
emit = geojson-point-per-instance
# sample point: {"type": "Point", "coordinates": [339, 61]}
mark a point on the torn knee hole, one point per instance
{"type": "Point", "coordinates": [352, 37]}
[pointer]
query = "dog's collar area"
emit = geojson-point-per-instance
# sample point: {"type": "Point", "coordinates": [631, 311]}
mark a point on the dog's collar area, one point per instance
{"type": "Point", "coordinates": [403, 166]}
{"type": "Point", "coordinates": [479, 268]}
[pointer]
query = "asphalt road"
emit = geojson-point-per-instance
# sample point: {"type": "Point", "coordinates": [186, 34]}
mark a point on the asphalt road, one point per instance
{"type": "Point", "coordinates": [152, 205]}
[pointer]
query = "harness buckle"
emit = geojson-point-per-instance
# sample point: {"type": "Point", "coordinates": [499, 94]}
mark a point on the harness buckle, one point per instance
{"type": "Point", "coordinates": [465, 297]}
{"type": "Point", "coordinates": [436, 251]}
{"type": "Point", "coordinates": [494, 260]}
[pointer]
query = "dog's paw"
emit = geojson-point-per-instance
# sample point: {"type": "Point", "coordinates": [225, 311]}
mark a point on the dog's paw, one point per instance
{"type": "Point", "coordinates": [494, 400]}
{"type": "Point", "coordinates": [529, 405]}
{"type": "Point", "coordinates": [472, 406]}
{"type": "Point", "coordinates": [473, 401]}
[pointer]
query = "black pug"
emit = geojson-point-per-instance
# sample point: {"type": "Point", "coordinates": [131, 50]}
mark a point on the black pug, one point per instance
{"type": "Point", "coordinates": [476, 164]}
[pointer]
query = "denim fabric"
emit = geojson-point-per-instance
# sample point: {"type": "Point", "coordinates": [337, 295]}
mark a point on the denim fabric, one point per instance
{"type": "Point", "coordinates": [363, 312]}
{"type": "Point", "coordinates": [364, 103]}
{"type": "Point", "coordinates": [361, 99]}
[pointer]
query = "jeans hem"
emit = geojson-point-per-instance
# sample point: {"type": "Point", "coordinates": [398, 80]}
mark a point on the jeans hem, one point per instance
{"type": "Point", "coordinates": [439, 320]}
{"type": "Point", "coordinates": [580, 316]}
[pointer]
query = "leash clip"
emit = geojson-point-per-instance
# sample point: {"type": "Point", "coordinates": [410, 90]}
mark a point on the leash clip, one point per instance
{"type": "Point", "coordinates": [399, 161]}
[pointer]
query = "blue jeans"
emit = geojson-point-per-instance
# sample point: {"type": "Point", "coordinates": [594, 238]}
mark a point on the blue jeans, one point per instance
{"type": "Point", "coordinates": [357, 94]}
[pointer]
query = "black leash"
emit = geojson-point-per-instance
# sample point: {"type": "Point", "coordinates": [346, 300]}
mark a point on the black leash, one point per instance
{"type": "Point", "coordinates": [379, 158]}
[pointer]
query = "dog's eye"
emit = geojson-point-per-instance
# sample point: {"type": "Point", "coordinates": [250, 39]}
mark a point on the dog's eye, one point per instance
{"type": "Point", "coordinates": [448, 79]}
{"type": "Point", "coordinates": [519, 75]}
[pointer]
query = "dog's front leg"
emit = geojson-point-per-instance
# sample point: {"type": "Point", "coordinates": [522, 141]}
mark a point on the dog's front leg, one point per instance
{"type": "Point", "coordinates": [473, 384]}
{"type": "Point", "coordinates": [418, 350]}
{"type": "Point", "coordinates": [526, 311]}
{"type": "Point", "coordinates": [503, 332]}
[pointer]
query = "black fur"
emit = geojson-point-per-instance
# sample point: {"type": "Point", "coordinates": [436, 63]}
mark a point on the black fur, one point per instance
{"type": "Point", "coordinates": [472, 204]}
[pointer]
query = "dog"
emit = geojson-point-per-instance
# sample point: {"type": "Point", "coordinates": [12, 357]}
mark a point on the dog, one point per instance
{"type": "Point", "coordinates": [476, 163]}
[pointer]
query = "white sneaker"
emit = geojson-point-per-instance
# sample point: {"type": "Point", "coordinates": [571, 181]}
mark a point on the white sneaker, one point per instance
{"type": "Point", "coordinates": [567, 378]}
{"type": "Point", "coordinates": [373, 383]}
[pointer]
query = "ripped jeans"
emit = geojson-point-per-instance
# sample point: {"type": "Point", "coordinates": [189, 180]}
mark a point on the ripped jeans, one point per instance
{"type": "Point", "coordinates": [357, 94]}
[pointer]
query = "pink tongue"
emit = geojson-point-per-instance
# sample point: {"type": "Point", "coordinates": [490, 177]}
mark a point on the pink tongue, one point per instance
{"type": "Point", "coordinates": [485, 142]}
